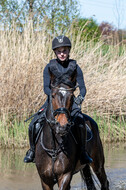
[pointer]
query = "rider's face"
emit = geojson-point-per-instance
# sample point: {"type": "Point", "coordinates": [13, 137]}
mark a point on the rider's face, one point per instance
{"type": "Point", "coordinates": [62, 53]}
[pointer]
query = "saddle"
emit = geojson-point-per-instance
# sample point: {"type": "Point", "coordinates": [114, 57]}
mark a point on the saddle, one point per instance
{"type": "Point", "coordinates": [40, 119]}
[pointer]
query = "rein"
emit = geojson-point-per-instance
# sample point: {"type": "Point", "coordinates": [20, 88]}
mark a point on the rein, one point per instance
{"type": "Point", "coordinates": [51, 152]}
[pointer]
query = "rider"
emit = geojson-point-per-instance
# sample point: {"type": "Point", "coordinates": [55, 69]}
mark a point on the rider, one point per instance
{"type": "Point", "coordinates": [61, 46]}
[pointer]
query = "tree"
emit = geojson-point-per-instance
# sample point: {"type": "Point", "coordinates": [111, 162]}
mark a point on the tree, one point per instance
{"type": "Point", "coordinates": [119, 12]}
{"type": "Point", "coordinates": [87, 28]}
{"type": "Point", "coordinates": [8, 11]}
{"type": "Point", "coordinates": [108, 33]}
{"type": "Point", "coordinates": [106, 28]}
{"type": "Point", "coordinates": [57, 13]}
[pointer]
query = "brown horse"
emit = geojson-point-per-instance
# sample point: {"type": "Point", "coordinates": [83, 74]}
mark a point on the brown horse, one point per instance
{"type": "Point", "coordinates": [57, 150]}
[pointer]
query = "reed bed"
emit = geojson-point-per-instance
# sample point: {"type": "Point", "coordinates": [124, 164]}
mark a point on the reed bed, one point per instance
{"type": "Point", "coordinates": [14, 134]}
{"type": "Point", "coordinates": [23, 57]}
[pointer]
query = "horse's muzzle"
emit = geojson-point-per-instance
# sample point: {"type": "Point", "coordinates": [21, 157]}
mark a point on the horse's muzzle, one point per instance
{"type": "Point", "coordinates": [62, 130]}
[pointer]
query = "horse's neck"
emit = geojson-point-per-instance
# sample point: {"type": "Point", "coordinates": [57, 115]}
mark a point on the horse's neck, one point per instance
{"type": "Point", "coordinates": [49, 139]}
{"type": "Point", "coordinates": [48, 131]}
{"type": "Point", "coordinates": [49, 111]}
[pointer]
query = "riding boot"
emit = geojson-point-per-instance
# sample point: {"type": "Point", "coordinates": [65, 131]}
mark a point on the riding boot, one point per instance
{"type": "Point", "coordinates": [30, 154]}
{"type": "Point", "coordinates": [84, 157]}
{"type": "Point", "coordinates": [34, 129]}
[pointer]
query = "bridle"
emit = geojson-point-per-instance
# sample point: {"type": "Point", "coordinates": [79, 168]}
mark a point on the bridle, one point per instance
{"type": "Point", "coordinates": [53, 121]}
{"type": "Point", "coordinates": [62, 109]}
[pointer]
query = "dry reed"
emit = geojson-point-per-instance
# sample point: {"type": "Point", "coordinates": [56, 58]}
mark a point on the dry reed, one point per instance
{"type": "Point", "coordinates": [24, 56]}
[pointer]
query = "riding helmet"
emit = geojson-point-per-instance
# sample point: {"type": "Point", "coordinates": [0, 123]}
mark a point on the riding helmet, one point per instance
{"type": "Point", "coordinates": [61, 41]}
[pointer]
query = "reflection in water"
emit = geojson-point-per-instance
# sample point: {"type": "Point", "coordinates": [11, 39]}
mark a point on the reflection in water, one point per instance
{"type": "Point", "coordinates": [16, 175]}
{"type": "Point", "coordinates": [115, 156]}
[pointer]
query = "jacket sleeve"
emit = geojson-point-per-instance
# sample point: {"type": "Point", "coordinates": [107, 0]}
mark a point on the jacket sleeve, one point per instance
{"type": "Point", "coordinates": [46, 80]}
{"type": "Point", "coordinates": [80, 81]}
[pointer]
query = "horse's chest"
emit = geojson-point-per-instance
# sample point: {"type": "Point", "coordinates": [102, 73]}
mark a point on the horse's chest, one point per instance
{"type": "Point", "coordinates": [63, 164]}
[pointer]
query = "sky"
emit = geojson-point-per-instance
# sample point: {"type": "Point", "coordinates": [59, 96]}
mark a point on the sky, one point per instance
{"type": "Point", "coordinates": [111, 11]}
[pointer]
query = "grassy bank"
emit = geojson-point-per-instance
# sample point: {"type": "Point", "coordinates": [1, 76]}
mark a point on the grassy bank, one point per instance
{"type": "Point", "coordinates": [23, 57]}
{"type": "Point", "coordinates": [111, 129]}
{"type": "Point", "coordinates": [15, 133]}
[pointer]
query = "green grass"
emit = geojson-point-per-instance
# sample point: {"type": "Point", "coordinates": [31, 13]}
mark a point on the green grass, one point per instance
{"type": "Point", "coordinates": [14, 133]}
{"type": "Point", "coordinates": [111, 129]}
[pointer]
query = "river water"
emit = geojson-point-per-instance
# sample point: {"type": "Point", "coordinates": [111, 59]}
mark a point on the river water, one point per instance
{"type": "Point", "coordinates": [16, 175]}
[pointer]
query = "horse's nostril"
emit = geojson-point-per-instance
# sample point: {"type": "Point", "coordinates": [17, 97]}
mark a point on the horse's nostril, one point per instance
{"type": "Point", "coordinates": [63, 127]}
{"type": "Point", "coordinates": [62, 130]}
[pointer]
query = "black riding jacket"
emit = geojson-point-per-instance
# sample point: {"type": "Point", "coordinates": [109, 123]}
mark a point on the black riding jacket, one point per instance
{"type": "Point", "coordinates": [63, 68]}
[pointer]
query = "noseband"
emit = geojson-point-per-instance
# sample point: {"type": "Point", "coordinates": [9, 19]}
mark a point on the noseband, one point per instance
{"type": "Point", "coordinates": [62, 110]}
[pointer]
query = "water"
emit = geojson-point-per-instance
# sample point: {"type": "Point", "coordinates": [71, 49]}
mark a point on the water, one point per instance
{"type": "Point", "coordinates": [115, 165]}
{"type": "Point", "coordinates": [16, 175]}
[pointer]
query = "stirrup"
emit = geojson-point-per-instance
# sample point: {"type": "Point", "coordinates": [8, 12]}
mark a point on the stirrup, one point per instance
{"type": "Point", "coordinates": [85, 158]}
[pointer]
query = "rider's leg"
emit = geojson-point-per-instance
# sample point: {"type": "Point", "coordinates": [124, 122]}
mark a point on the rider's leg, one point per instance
{"type": "Point", "coordinates": [30, 155]}
{"type": "Point", "coordinates": [77, 114]}
{"type": "Point", "coordinates": [33, 128]}
{"type": "Point", "coordinates": [84, 157]}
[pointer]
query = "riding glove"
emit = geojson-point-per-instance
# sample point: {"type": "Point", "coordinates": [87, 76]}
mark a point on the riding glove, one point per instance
{"type": "Point", "coordinates": [79, 99]}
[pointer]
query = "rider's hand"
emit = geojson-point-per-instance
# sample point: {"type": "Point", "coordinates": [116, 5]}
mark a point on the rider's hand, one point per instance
{"type": "Point", "coordinates": [78, 100]}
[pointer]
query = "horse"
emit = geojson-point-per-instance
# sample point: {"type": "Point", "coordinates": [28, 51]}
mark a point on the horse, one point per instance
{"type": "Point", "coordinates": [57, 150]}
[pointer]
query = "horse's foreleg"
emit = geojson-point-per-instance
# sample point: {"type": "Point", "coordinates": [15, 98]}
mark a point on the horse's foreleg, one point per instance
{"type": "Point", "coordinates": [46, 186]}
{"type": "Point", "coordinates": [64, 181]}
{"type": "Point", "coordinates": [86, 175]}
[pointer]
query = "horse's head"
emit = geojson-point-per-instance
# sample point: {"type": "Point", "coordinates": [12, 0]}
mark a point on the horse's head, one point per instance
{"type": "Point", "coordinates": [62, 95]}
